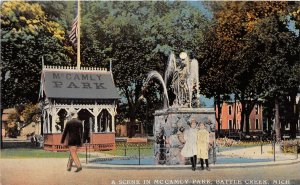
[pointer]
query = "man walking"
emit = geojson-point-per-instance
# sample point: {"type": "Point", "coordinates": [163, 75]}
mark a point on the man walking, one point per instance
{"type": "Point", "coordinates": [73, 133]}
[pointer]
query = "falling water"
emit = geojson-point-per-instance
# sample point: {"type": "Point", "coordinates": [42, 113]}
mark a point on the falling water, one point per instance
{"type": "Point", "coordinates": [155, 74]}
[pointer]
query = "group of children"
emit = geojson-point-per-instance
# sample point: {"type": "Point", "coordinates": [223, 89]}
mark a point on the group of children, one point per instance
{"type": "Point", "coordinates": [196, 144]}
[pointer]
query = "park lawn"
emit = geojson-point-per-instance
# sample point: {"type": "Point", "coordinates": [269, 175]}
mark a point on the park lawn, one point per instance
{"type": "Point", "coordinates": [253, 143]}
{"type": "Point", "coordinates": [33, 153]}
{"type": "Point", "coordinates": [130, 151]}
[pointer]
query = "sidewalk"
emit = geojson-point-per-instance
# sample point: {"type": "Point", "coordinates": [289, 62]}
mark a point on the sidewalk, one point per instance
{"type": "Point", "coordinates": [52, 171]}
{"type": "Point", "coordinates": [266, 152]}
{"type": "Point", "coordinates": [178, 167]}
{"type": "Point", "coordinates": [49, 171]}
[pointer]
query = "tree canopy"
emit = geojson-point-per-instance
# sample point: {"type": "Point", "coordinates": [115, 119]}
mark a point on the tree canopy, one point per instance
{"type": "Point", "coordinates": [254, 50]}
{"type": "Point", "coordinates": [26, 36]}
{"type": "Point", "coordinates": [138, 37]}
{"type": "Point", "coordinates": [249, 49]}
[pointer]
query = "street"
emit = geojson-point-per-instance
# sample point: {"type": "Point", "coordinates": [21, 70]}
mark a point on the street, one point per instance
{"type": "Point", "coordinates": [53, 172]}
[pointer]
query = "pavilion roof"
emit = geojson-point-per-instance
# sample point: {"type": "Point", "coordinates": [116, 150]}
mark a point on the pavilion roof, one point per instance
{"type": "Point", "coordinates": [71, 83]}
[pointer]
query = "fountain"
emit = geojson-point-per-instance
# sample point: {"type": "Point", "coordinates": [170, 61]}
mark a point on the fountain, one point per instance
{"type": "Point", "coordinates": [182, 78]}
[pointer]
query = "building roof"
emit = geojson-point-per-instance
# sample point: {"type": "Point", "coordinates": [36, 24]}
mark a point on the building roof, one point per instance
{"type": "Point", "coordinates": [71, 83]}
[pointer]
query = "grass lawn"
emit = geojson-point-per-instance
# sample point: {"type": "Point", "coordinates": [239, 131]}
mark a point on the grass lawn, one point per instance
{"type": "Point", "coordinates": [130, 152]}
{"type": "Point", "coordinates": [33, 153]}
{"type": "Point", "coordinates": [133, 150]}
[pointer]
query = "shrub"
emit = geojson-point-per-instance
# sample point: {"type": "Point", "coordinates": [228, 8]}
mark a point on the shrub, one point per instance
{"type": "Point", "coordinates": [289, 146]}
{"type": "Point", "coordinates": [225, 142]}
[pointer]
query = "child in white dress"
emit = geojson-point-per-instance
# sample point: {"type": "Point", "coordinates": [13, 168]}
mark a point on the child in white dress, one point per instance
{"type": "Point", "coordinates": [190, 146]}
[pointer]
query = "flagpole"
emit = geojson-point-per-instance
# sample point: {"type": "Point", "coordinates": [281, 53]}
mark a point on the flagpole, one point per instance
{"type": "Point", "coordinates": [78, 37]}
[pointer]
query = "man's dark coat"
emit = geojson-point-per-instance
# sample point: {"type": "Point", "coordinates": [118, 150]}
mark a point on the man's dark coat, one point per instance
{"type": "Point", "coordinates": [74, 131]}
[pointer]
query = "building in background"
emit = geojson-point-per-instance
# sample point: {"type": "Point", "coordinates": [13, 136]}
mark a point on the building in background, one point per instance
{"type": "Point", "coordinates": [231, 118]}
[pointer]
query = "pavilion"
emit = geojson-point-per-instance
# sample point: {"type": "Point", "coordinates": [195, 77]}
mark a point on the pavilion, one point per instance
{"type": "Point", "coordinates": [91, 92]}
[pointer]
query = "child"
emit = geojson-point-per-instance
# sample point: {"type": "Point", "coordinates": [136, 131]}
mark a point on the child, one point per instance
{"type": "Point", "coordinates": [190, 146]}
{"type": "Point", "coordinates": [202, 146]}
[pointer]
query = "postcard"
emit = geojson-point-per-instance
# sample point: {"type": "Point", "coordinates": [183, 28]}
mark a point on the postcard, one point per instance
{"type": "Point", "coordinates": [150, 92]}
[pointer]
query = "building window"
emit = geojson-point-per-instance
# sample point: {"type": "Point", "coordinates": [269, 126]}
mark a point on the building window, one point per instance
{"type": "Point", "coordinates": [256, 109]}
{"type": "Point", "coordinates": [230, 124]}
{"type": "Point", "coordinates": [257, 124]}
{"type": "Point", "coordinates": [288, 126]}
{"type": "Point", "coordinates": [229, 109]}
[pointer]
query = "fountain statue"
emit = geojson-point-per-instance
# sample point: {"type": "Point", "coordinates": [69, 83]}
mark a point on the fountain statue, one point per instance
{"type": "Point", "coordinates": [182, 79]}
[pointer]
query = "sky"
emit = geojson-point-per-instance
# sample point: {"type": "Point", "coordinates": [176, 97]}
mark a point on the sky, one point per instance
{"type": "Point", "coordinates": [201, 7]}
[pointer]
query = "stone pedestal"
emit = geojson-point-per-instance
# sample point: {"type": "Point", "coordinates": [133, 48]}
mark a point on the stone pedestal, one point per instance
{"type": "Point", "coordinates": [169, 126]}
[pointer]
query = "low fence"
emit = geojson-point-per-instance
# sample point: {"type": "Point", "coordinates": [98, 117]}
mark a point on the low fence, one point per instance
{"type": "Point", "coordinates": [274, 151]}
{"type": "Point", "coordinates": [136, 152]}
{"type": "Point", "coordinates": [139, 153]}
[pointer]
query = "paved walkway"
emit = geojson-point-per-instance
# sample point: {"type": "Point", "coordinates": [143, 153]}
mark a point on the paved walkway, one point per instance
{"type": "Point", "coordinates": [258, 152]}
{"type": "Point", "coordinates": [53, 172]}
{"type": "Point", "coordinates": [286, 170]}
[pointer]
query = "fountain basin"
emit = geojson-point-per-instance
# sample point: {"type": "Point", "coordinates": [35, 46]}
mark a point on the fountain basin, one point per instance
{"type": "Point", "coordinates": [152, 161]}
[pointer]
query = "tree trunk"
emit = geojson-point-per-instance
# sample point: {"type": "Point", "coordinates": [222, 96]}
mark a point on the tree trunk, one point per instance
{"type": "Point", "coordinates": [249, 107]}
{"type": "Point", "coordinates": [131, 112]}
{"type": "Point", "coordinates": [277, 121]}
{"type": "Point", "coordinates": [294, 119]}
{"type": "Point", "coordinates": [1, 139]}
{"type": "Point", "coordinates": [147, 120]}
{"type": "Point", "coordinates": [219, 110]}
{"type": "Point", "coordinates": [243, 116]}
{"type": "Point", "coordinates": [298, 115]}
{"type": "Point", "coordinates": [247, 122]}
{"type": "Point", "coordinates": [269, 119]}
{"type": "Point", "coordinates": [131, 127]}
{"type": "Point", "coordinates": [269, 115]}
{"type": "Point", "coordinates": [234, 114]}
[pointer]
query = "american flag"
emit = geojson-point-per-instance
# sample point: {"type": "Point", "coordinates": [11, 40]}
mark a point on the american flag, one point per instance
{"type": "Point", "coordinates": [74, 32]}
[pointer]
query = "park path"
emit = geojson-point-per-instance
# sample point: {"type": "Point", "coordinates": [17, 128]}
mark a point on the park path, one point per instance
{"type": "Point", "coordinates": [53, 172]}
{"type": "Point", "coordinates": [257, 152]}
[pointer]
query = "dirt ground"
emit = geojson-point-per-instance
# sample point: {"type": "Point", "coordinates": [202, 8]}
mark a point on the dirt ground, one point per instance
{"type": "Point", "coordinates": [53, 172]}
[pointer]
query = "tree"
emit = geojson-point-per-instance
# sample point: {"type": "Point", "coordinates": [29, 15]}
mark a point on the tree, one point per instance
{"type": "Point", "coordinates": [214, 73]}
{"type": "Point", "coordinates": [31, 113]}
{"type": "Point", "coordinates": [137, 37]}
{"type": "Point", "coordinates": [26, 36]}
{"type": "Point", "coordinates": [279, 56]}
{"type": "Point", "coordinates": [236, 25]}
{"type": "Point", "coordinates": [64, 13]}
